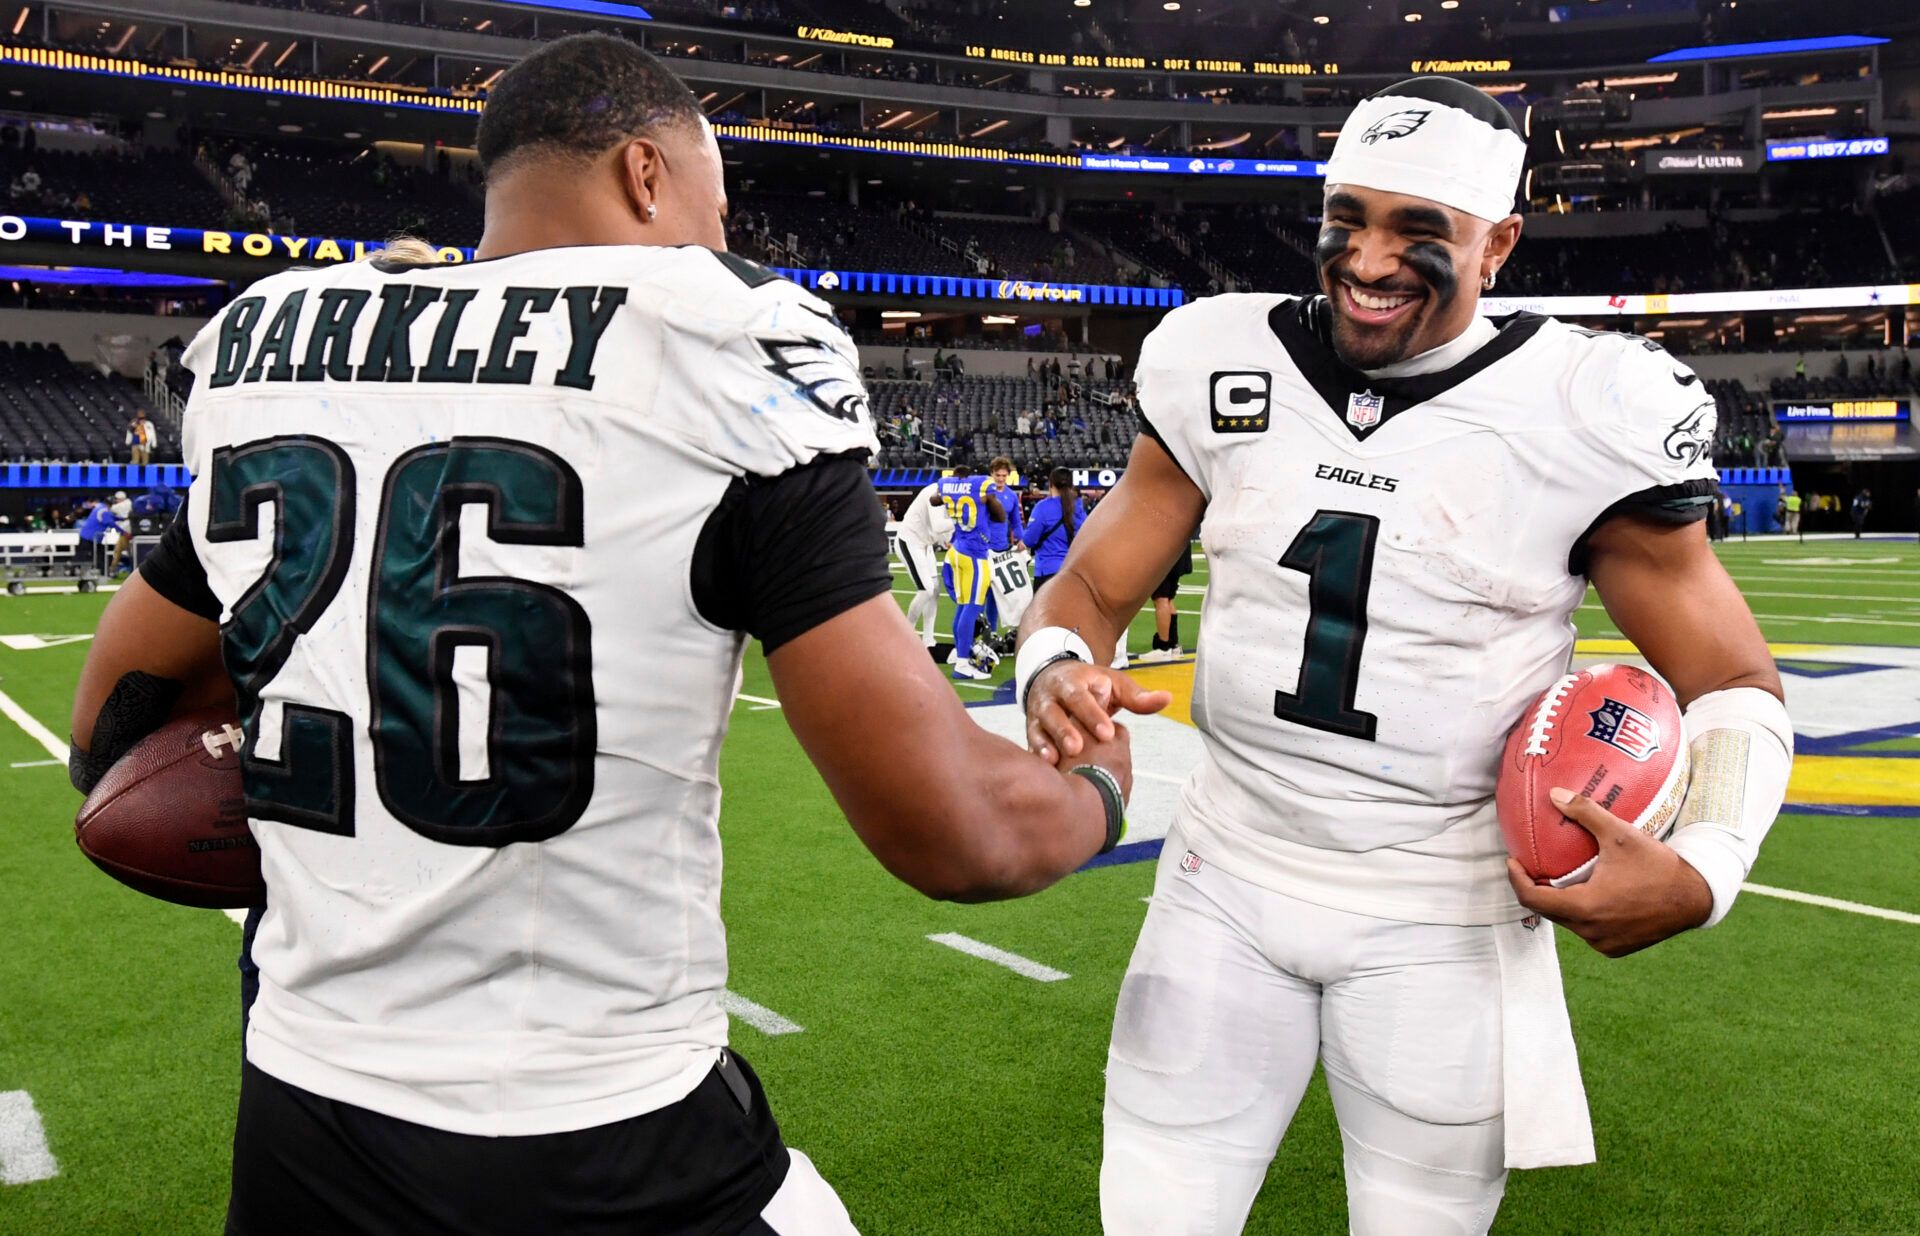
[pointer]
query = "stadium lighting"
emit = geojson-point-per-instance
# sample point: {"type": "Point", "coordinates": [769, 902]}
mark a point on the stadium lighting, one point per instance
{"type": "Point", "coordinates": [900, 314]}
{"type": "Point", "coordinates": [1322, 20]}
{"type": "Point", "coordinates": [1801, 113]}
{"type": "Point", "coordinates": [1449, 4]}
{"type": "Point", "coordinates": [1081, 4]}
{"type": "Point", "coordinates": [376, 65]}
{"type": "Point", "coordinates": [1412, 17]}
{"type": "Point", "coordinates": [998, 319]}
{"type": "Point", "coordinates": [20, 21]}
{"type": "Point", "coordinates": [1171, 6]}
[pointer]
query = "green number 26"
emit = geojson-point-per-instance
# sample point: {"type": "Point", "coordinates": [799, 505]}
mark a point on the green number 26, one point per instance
{"type": "Point", "coordinates": [537, 643]}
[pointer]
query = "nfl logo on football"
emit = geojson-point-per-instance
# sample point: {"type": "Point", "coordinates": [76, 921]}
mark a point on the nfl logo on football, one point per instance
{"type": "Point", "coordinates": [1363, 410]}
{"type": "Point", "coordinates": [1629, 729]}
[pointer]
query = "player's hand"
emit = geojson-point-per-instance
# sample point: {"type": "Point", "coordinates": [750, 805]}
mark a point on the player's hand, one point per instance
{"type": "Point", "coordinates": [1070, 708]}
{"type": "Point", "coordinates": [1115, 755]}
{"type": "Point", "coordinates": [1640, 892]}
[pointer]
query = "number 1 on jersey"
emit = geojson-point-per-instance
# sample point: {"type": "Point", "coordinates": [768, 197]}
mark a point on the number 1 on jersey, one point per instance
{"type": "Point", "coordinates": [1335, 552]}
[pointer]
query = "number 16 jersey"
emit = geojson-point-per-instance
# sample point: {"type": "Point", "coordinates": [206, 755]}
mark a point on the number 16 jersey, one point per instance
{"type": "Point", "coordinates": [1394, 567]}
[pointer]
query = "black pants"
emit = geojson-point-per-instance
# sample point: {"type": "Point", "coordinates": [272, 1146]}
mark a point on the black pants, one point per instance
{"type": "Point", "coordinates": [705, 1166]}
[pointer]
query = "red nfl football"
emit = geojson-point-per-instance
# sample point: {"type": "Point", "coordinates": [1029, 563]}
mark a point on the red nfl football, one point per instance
{"type": "Point", "coordinates": [1611, 732]}
{"type": "Point", "coordinates": [170, 817]}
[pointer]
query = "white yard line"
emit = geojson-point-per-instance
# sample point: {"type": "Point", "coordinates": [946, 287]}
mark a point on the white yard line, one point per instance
{"type": "Point", "coordinates": [37, 764]}
{"type": "Point", "coordinates": [760, 702]}
{"type": "Point", "coordinates": [759, 1016]}
{"type": "Point", "coordinates": [36, 731]}
{"type": "Point", "coordinates": [1831, 903]}
{"type": "Point", "coordinates": [1022, 966]}
{"type": "Point", "coordinates": [238, 916]}
{"type": "Point", "coordinates": [24, 1156]}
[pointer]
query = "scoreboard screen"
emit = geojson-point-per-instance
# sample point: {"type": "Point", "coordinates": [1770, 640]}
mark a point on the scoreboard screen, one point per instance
{"type": "Point", "coordinates": [1817, 411]}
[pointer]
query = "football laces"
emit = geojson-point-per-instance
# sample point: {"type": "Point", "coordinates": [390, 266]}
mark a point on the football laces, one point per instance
{"type": "Point", "coordinates": [1542, 724]}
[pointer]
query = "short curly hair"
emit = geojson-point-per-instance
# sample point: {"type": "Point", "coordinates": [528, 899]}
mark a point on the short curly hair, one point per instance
{"type": "Point", "coordinates": [578, 96]}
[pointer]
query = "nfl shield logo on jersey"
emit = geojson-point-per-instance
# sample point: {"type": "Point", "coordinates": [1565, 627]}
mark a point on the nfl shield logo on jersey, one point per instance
{"type": "Point", "coordinates": [1627, 728]}
{"type": "Point", "coordinates": [1363, 410]}
{"type": "Point", "coordinates": [1190, 862]}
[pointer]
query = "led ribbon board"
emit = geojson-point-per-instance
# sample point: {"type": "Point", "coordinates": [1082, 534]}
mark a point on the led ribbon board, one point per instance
{"type": "Point", "coordinates": [111, 238]}
{"type": "Point", "coordinates": [1850, 411]}
{"type": "Point", "coordinates": [1781, 150]}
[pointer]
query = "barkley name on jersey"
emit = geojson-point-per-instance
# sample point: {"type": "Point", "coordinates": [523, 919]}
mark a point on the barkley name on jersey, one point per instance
{"type": "Point", "coordinates": [486, 636]}
{"type": "Point", "coordinates": [1395, 567]}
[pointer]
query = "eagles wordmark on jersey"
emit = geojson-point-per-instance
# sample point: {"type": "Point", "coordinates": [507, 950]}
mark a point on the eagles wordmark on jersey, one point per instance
{"type": "Point", "coordinates": [1395, 565]}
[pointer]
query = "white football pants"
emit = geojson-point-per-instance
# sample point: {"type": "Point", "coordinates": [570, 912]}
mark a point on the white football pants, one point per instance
{"type": "Point", "coordinates": [1233, 993]}
{"type": "Point", "coordinates": [923, 573]}
{"type": "Point", "coordinates": [805, 1205]}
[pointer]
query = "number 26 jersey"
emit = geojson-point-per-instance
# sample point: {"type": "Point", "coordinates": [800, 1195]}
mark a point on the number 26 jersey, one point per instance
{"type": "Point", "coordinates": [1394, 568]}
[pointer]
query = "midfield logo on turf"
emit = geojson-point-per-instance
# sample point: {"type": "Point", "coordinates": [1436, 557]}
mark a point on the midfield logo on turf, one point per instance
{"type": "Point", "coordinates": [1627, 728]}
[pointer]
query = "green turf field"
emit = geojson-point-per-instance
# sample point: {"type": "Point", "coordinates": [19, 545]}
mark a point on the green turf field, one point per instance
{"type": "Point", "coordinates": [1762, 1077]}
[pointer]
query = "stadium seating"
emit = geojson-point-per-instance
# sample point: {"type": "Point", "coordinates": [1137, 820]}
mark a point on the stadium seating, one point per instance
{"type": "Point", "coordinates": [151, 186]}
{"type": "Point", "coordinates": [331, 190]}
{"type": "Point", "coordinates": [1094, 425]}
{"type": "Point", "coordinates": [1244, 240]}
{"type": "Point", "coordinates": [1130, 230]}
{"type": "Point", "coordinates": [51, 408]}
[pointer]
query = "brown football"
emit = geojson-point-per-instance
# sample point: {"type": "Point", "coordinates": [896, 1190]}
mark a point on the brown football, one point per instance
{"type": "Point", "coordinates": [170, 818]}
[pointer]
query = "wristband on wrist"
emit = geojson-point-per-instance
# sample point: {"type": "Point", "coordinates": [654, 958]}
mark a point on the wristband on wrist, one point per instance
{"type": "Point", "coordinates": [1110, 797]}
{"type": "Point", "coordinates": [1041, 649]}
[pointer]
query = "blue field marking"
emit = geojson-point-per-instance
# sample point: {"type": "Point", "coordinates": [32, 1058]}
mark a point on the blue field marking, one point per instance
{"type": "Point", "coordinates": [1853, 742]}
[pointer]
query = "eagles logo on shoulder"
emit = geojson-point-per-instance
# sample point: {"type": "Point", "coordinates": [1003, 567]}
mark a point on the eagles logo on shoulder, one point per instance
{"type": "Point", "coordinates": [1396, 124]}
{"type": "Point", "coordinates": [1691, 439]}
{"type": "Point", "coordinates": [819, 373]}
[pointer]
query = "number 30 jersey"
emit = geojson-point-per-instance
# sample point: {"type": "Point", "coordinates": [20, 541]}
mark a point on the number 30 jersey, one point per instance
{"type": "Point", "coordinates": [1394, 567]}
{"type": "Point", "coordinates": [477, 537]}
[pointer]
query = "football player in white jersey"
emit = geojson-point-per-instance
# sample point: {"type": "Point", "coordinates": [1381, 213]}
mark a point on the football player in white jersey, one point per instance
{"type": "Point", "coordinates": [918, 542]}
{"type": "Point", "coordinates": [1402, 505]}
{"type": "Point", "coordinates": [432, 508]}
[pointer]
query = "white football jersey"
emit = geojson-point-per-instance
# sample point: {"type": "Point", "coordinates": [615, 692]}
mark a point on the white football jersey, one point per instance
{"type": "Point", "coordinates": [926, 521]}
{"type": "Point", "coordinates": [1394, 570]}
{"type": "Point", "coordinates": [449, 513]}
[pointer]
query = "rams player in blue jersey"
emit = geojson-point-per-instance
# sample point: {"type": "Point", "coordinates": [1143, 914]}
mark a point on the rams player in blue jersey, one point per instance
{"type": "Point", "coordinates": [972, 508]}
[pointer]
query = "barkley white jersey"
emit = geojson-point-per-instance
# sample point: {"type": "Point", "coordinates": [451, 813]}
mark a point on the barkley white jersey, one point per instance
{"type": "Point", "coordinates": [926, 521]}
{"type": "Point", "coordinates": [449, 514]}
{"type": "Point", "coordinates": [1394, 570]}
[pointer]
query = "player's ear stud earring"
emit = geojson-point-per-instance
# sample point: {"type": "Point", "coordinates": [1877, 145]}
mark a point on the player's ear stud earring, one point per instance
{"type": "Point", "coordinates": [1487, 283]}
{"type": "Point", "coordinates": [653, 212]}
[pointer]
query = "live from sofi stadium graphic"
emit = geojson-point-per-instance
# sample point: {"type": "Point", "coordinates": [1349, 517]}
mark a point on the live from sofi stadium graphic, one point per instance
{"type": "Point", "coordinates": [1068, 618]}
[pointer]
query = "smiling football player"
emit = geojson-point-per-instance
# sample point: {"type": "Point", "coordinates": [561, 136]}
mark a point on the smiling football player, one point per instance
{"type": "Point", "coordinates": [1402, 504]}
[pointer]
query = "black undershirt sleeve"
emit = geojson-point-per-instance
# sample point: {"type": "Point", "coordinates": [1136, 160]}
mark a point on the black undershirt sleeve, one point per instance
{"type": "Point", "coordinates": [781, 555]}
{"type": "Point", "coordinates": [1677, 505]}
{"type": "Point", "coordinates": [173, 570]}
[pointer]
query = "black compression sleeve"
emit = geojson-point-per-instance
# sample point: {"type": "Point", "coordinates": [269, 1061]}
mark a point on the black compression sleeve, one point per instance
{"type": "Point", "coordinates": [174, 571]}
{"type": "Point", "coordinates": [781, 555]}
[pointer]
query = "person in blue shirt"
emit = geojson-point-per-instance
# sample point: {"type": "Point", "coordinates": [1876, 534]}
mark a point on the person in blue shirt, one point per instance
{"type": "Point", "coordinates": [971, 507]}
{"type": "Point", "coordinates": [1002, 534]}
{"type": "Point", "coordinates": [92, 528]}
{"type": "Point", "coordinates": [1050, 531]}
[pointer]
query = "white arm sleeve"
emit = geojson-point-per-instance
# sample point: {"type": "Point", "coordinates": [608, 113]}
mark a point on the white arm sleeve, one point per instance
{"type": "Point", "coordinates": [1741, 745]}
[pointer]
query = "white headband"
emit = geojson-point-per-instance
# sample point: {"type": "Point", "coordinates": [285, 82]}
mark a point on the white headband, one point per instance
{"type": "Point", "coordinates": [1401, 143]}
